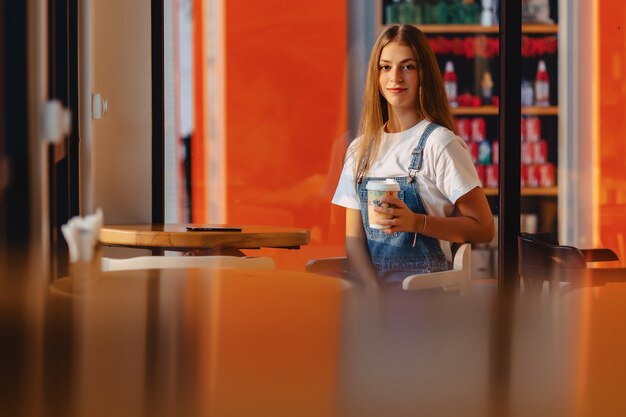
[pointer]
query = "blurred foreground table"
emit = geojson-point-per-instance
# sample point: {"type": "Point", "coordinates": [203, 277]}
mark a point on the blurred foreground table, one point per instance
{"type": "Point", "coordinates": [177, 237]}
{"type": "Point", "coordinates": [198, 342]}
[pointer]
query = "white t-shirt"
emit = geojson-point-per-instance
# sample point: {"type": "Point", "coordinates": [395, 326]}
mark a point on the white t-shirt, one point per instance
{"type": "Point", "coordinates": [447, 171]}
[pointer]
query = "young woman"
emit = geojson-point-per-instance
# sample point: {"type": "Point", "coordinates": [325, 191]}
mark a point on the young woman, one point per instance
{"type": "Point", "coordinates": [407, 133]}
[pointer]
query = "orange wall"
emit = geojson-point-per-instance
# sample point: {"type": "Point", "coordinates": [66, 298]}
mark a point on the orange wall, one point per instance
{"type": "Point", "coordinates": [602, 340]}
{"type": "Point", "coordinates": [611, 145]}
{"type": "Point", "coordinates": [285, 113]}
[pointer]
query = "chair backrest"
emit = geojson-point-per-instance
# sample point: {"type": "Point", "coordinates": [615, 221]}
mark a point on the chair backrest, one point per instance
{"type": "Point", "coordinates": [161, 262]}
{"type": "Point", "coordinates": [541, 259]}
{"type": "Point", "coordinates": [542, 251]}
{"type": "Point", "coordinates": [455, 278]}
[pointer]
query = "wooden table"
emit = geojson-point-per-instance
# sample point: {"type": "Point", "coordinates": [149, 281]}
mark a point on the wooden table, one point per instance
{"type": "Point", "coordinates": [194, 342]}
{"type": "Point", "coordinates": [177, 237]}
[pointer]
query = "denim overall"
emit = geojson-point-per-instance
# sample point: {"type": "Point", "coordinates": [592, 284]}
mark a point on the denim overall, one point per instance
{"type": "Point", "coordinates": [397, 252]}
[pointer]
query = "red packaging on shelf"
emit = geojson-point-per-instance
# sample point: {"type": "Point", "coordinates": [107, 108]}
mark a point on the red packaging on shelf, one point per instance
{"type": "Point", "coordinates": [473, 150]}
{"type": "Point", "coordinates": [480, 170]}
{"type": "Point", "coordinates": [495, 152]}
{"type": "Point", "coordinates": [463, 128]}
{"type": "Point", "coordinates": [478, 129]}
{"type": "Point", "coordinates": [532, 175]}
{"type": "Point", "coordinates": [533, 129]}
{"type": "Point", "coordinates": [523, 129]}
{"type": "Point", "coordinates": [539, 151]}
{"type": "Point", "coordinates": [526, 154]}
{"type": "Point", "coordinates": [491, 176]}
{"type": "Point", "coordinates": [546, 175]}
{"type": "Point", "coordinates": [523, 175]}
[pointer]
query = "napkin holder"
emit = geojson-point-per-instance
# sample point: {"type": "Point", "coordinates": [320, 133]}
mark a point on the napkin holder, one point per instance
{"type": "Point", "coordinates": [82, 237]}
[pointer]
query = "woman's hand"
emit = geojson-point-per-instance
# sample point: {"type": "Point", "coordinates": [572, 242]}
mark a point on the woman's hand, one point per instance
{"type": "Point", "coordinates": [403, 219]}
{"type": "Point", "coordinates": [473, 224]}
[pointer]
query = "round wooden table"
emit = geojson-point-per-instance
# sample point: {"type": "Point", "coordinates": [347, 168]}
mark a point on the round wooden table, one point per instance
{"type": "Point", "coordinates": [177, 237]}
{"type": "Point", "coordinates": [135, 283]}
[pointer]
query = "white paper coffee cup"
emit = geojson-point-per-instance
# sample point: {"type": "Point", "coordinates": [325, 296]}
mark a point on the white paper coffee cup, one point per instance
{"type": "Point", "coordinates": [376, 190]}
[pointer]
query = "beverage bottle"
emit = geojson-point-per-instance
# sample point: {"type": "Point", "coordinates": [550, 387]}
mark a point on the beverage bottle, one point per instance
{"type": "Point", "coordinates": [527, 93]}
{"type": "Point", "coordinates": [406, 12]}
{"type": "Point", "coordinates": [487, 16]}
{"type": "Point", "coordinates": [486, 88]}
{"type": "Point", "coordinates": [450, 83]}
{"type": "Point", "coordinates": [392, 12]}
{"type": "Point", "coordinates": [542, 86]}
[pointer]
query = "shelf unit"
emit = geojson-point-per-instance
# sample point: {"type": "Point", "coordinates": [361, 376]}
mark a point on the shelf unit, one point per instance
{"type": "Point", "coordinates": [534, 199]}
{"type": "Point", "coordinates": [493, 111]}
{"type": "Point", "coordinates": [451, 29]}
{"type": "Point", "coordinates": [528, 192]}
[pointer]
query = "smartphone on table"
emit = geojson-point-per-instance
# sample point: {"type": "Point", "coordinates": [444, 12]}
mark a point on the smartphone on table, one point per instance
{"type": "Point", "coordinates": [213, 228]}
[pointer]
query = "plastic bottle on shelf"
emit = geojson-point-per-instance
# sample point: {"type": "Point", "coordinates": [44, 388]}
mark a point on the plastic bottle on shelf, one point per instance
{"type": "Point", "coordinates": [450, 83]}
{"type": "Point", "coordinates": [406, 12]}
{"type": "Point", "coordinates": [392, 12]}
{"type": "Point", "coordinates": [487, 17]}
{"type": "Point", "coordinates": [486, 88]}
{"type": "Point", "coordinates": [542, 85]}
{"type": "Point", "coordinates": [527, 93]}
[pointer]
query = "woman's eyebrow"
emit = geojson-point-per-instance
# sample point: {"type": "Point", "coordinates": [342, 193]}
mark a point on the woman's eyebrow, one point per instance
{"type": "Point", "coordinates": [402, 62]}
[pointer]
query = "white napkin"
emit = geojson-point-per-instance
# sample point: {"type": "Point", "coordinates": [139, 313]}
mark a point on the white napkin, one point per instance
{"type": "Point", "coordinates": [81, 235]}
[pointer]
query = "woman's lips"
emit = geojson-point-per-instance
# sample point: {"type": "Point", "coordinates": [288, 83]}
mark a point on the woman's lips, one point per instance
{"type": "Point", "coordinates": [396, 90]}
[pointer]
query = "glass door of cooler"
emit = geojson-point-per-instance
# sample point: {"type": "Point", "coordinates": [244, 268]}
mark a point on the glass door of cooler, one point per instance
{"type": "Point", "coordinates": [541, 149]}
{"type": "Point", "coordinates": [465, 38]}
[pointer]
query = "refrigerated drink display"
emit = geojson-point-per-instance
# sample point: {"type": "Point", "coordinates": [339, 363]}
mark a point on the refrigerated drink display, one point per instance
{"type": "Point", "coordinates": [469, 58]}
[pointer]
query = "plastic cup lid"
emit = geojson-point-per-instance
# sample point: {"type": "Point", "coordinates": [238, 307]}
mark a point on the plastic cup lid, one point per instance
{"type": "Point", "coordinates": [386, 185]}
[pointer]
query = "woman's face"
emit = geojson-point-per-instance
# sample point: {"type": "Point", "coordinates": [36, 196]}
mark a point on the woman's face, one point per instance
{"type": "Point", "coordinates": [398, 77]}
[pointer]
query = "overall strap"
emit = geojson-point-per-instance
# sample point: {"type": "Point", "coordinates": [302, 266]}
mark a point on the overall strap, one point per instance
{"type": "Point", "coordinates": [418, 152]}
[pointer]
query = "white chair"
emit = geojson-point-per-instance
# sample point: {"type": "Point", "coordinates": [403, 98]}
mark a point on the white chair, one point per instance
{"type": "Point", "coordinates": [213, 262]}
{"type": "Point", "coordinates": [453, 279]}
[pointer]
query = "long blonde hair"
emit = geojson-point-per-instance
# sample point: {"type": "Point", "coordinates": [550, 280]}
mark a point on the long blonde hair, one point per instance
{"type": "Point", "coordinates": [432, 103]}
